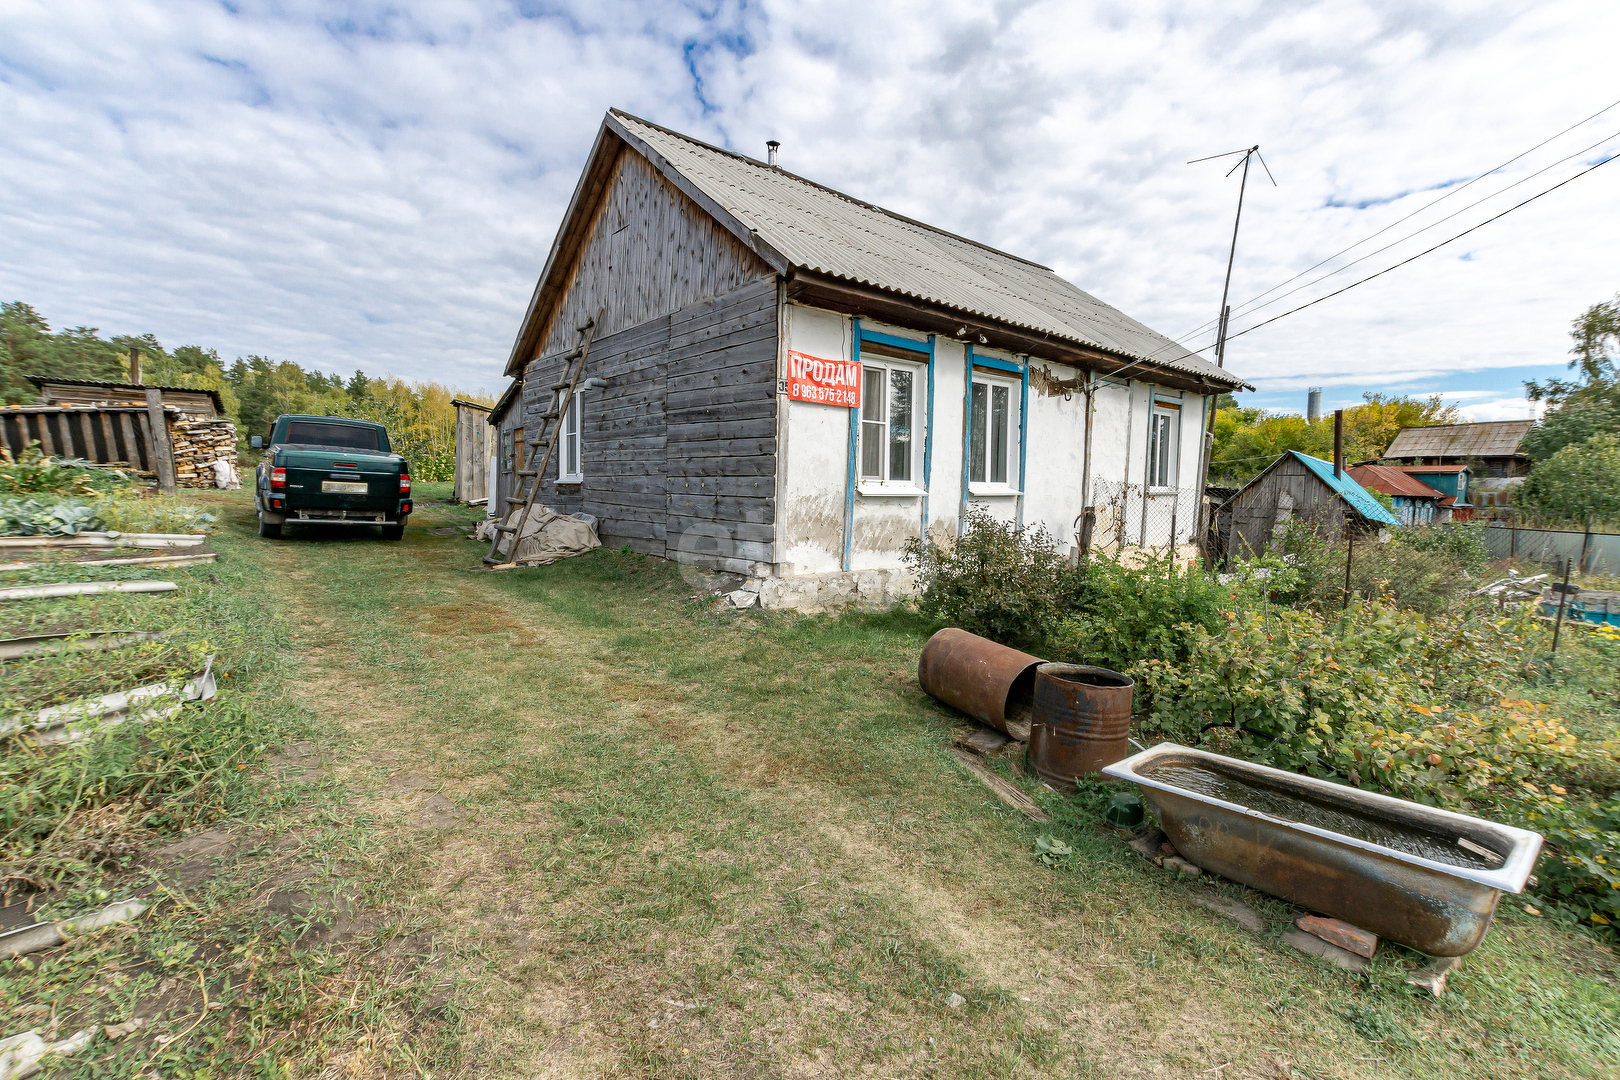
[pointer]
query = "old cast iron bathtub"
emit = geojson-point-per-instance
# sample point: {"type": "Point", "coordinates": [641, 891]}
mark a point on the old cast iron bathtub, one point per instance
{"type": "Point", "coordinates": [1387, 865]}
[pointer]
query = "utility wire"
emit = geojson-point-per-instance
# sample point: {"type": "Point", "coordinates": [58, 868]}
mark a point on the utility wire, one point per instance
{"type": "Point", "coordinates": [1408, 217]}
{"type": "Point", "coordinates": [1361, 281]}
{"type": "Point", "coordinates": [1426, 228]}
{"type": "Point", "coordinates": [1425, 251]}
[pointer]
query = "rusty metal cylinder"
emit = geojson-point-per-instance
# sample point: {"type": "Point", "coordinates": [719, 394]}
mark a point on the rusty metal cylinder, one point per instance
{"type": "Point", "coordinates": [1081, 721]}
{"type": "Point", "coordinates": [991, 683]}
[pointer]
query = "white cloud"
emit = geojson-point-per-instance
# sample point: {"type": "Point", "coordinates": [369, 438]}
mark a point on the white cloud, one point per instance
{"type": "Point", "coordinates": [1504, 409]}
{"type": "Point", "coordinates": [378, 189]}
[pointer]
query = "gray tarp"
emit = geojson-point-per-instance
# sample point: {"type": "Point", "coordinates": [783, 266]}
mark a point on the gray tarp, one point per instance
{"type": "Point", "coordinates": [549, 536]}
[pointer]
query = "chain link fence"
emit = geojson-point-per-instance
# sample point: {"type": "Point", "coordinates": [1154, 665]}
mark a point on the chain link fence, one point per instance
{"type": "Point", "coordinates": [1136, 517]}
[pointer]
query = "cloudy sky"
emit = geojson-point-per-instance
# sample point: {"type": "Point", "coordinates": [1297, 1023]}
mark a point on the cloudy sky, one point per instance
{"type": "Point", "coordinates": [375, 186]}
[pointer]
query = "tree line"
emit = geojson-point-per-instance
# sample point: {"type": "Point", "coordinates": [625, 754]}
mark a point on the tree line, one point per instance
{"type": "Point", "coordinates": [255, 390]}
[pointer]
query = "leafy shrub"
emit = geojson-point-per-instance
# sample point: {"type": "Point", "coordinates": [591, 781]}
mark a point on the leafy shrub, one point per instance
{"type": "Point", "coordinates": [1000, 580]}
{"type": "Point", "coordinates": [153, 514]}
{"type": "Point", "coordinates": [35, 474]}
{"type": "Point", "coordinates": [1463, 542]}
{"type": "Point", "coordinates": [1125, 614]}
{"type": "Point", "coordinates": [1383, 699]}
{"type": "Point", "coordinates": [1426, 571]}
{"type": "Point", "coordinates": [1582, 478]}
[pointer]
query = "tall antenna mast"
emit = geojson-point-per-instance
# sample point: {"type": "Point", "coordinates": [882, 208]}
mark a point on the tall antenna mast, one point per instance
{"type": "Point", "coordinates": [1226, 313]}
{"type": "Point", "coordinates": [1220, 334]}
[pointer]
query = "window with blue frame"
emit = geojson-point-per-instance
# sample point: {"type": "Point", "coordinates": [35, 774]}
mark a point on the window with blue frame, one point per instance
{"type": "Point", "coordinates": [993, 431]}
{"type": "Point", "coordinates": [893, 384]}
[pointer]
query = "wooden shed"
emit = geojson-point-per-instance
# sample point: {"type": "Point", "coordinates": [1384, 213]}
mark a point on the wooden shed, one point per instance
{"type": "Point", "coordinates": [475, 451]}
{"type": "Point", "coordinates": [1296, 487]}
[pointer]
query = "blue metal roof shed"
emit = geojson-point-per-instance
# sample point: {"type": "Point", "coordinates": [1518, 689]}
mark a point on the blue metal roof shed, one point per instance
{"type": "Point", "coordinates": [1296, 488]}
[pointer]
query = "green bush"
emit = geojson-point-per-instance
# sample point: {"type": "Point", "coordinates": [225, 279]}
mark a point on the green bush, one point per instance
{"type": "Point", "coordinates": [1463, 542]}
{"type": "Point", "coordinates": [999, 580]}
{"type": "Point", "coordinates": [1389, 701]}
{"type": "Point", "coordinates": [35, 474]}
{"type": "Point", "coordinates": [1125, 614]}
{"type": "Point", "coordinates": [1581, 479]}
{"type": "Point", "coordinates": [1425, 571]}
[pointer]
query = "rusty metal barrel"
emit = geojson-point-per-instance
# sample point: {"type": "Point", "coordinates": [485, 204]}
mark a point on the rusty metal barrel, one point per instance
{"type": "Point", "coordinates": [1081, 721]}
{"type": "Point", "coordinates": [991, 683]}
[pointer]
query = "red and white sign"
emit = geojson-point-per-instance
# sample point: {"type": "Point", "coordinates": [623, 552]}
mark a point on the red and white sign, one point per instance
{"type": "Point", "coordinates": [825, 382]}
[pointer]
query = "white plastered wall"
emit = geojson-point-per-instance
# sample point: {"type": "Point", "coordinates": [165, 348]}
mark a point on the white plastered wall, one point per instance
{"type": "Point", "coordinates": [815, 457]}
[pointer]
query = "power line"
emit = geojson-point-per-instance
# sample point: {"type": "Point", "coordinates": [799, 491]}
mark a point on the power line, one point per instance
{"type": "Point", "coordinates": [1425, 251]}
{"type": "Point", "coordinates": [1426, 228]}
{"type": "Point", "coordinates": [1414, 213]}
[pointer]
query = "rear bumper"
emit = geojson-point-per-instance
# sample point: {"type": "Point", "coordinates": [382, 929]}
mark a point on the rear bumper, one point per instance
{"type": "Point", "coordinates": [333, 517]}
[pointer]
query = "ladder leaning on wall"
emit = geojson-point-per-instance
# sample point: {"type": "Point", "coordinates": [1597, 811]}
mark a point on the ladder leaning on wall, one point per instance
{"type": "Point", "coordinates": [550, 420]}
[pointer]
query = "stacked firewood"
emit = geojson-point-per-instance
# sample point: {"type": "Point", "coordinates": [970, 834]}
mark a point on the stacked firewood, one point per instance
{"type": "Point", "coordinates": [199, 441]}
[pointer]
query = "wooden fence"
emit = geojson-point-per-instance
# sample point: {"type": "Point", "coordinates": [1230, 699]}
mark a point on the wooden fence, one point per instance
{"type": "Point", "coordinates": [106, 434]}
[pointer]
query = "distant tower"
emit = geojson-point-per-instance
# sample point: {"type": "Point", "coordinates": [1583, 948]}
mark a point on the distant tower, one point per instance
{"type": "Point", "coordinates": [1313, 404]}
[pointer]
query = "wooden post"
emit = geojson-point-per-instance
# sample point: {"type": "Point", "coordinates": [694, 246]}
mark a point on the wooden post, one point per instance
{"type": "Point", "coordinates": [1586, 543]}
{"type": "Point", "coordinates": [107, 437]}
{"type": "Point", "coordinates": [89, 436]}
{"type": "Point", "coordinates": [134, 365]}
{"type": "Point", "coordinates": [1349, 552]}
{"type": "Point", "coordinates": [162, 448]}
{"type": "Point", "coordinates": [132, 445]}
{"type": "Point", "coordinates": [1338, 442]}
{"type": "Point", "coordinates": [46, 445]}
{"type": "Point", "coordinates": [1563, 598]}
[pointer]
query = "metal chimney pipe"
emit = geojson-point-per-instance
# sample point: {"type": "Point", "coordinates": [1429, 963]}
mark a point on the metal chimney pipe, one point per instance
{"type": "Point", "coordinates": [771, 147]}
{"type": "Point", "coordinates": [1338, 442]}
{"type": "Point", "coordinates": [1313, 404]}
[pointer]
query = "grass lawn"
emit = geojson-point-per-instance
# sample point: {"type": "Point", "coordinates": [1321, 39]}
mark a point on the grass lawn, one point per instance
{"type": "Point", "coordinates": [566, 821]}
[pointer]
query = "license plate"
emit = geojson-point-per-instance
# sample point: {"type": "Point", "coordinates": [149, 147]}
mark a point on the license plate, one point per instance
{"type": "Point", "coordinates": [342, 487]}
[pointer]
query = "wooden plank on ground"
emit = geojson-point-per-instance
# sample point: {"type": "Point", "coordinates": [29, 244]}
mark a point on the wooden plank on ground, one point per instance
{"type": "Point", "coordinates": [1002, 790]}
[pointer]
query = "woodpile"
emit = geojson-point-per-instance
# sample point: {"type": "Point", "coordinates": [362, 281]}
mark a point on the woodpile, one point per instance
{"type": "Point", "coordinates": [200, 441]}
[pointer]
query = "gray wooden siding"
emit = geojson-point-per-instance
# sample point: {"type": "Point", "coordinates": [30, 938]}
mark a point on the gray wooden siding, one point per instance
{"type": "Point", "coordinates": [1255, 511]}
{"type": "Point", "coordinates": [651, 251]}
{"type": "Point", "coordinates": [679, 449]}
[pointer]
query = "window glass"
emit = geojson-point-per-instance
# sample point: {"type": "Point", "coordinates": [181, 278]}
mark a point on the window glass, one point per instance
{"type": "Point", "coordinates": [345, 436]}
{"type": "Point", "coordinates": [900, 387]}
{"type": "Point", "coordinates": [1161, 464]}
{"type": "Point", "coordinates": [998, 434]}
{"type": "Point", "coordinates": [571, 466]}
{"type": "Point", "coordinates": [981, 421]}
{"type": "Point", "coordinates": [872, 434]}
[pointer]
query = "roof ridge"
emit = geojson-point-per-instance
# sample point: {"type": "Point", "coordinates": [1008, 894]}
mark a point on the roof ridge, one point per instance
{"type": "Point", "coordinates": [829, 190]}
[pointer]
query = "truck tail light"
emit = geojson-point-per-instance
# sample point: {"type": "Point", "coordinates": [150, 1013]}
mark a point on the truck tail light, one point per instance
{"type": "Point", "coordinates": [278, 478]}
{"type": "Point", "coordinates": [404, 483]}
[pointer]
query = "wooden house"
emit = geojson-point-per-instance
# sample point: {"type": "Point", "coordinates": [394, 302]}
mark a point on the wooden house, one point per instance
{"type": "Point", "coordinates": [789, 383]}
{"type": "Point", "coordinates": [475, 453]}
{"type": "Point", "coordinates": [1493, 446]}
{"type": "Point", "coordinates": [1296, 488]}
{"type": "Point", "coordinates": [1416, 503]}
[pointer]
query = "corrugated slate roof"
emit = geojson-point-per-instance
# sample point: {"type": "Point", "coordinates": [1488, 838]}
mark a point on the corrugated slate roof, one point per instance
{"type": "Point", "coordinates": [1393, 481]}
{"type": "Point", "coordinates": [827, 232]}
{"type": "Point", "coordinates": [1345, 484]}
{"type": "Point", "coordinates": [1495, 438]}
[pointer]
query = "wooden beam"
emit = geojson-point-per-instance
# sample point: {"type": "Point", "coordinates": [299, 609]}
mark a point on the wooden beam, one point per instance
{"type": "Point", "coordinates": [163, 448]}
{"type": "Point", "coordinates": [132, 445]}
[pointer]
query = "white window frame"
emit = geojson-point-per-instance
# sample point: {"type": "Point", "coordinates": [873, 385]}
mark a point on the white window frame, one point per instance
{"type": "Point", "coordinates": [883, 484]}
{"type": "Point", "coordinates": [1015, 429]}
{"type": "Point", "coordinates": [572, 428]}
{"type": "Point", "coordinates": [1164, 431]}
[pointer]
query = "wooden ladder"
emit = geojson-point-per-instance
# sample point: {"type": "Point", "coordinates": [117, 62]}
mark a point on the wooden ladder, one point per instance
{"type": "Point", "coordinates": [562, 397]}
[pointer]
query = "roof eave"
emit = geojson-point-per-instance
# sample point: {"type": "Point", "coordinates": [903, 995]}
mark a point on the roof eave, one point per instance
{"type": "Point", "coordinates": [906, 308]}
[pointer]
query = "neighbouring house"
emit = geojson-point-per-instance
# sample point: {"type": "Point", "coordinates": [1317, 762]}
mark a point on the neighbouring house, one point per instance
{"type": "Point", "coordinates": [790, 384]}
{"type": "Point", "coordinates": [1495, 444]}
{"type": "Point", "coordinates": [1454, 482]}
{"type": "Point", "coordinates": [1296, 487]}
{"type": "Point", "coordinates": [1416, 503]}
{"type": "Point", "coordinates": [174, 433]}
